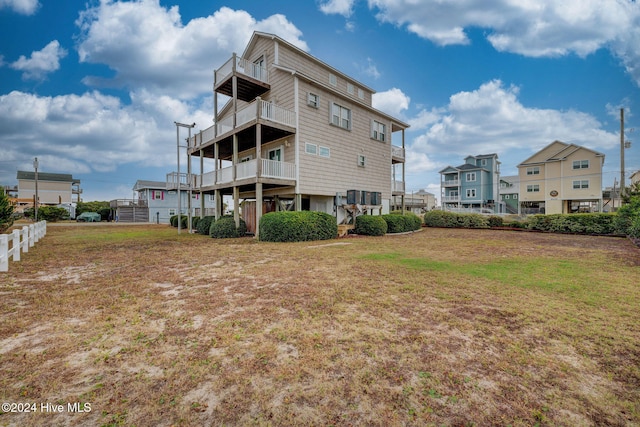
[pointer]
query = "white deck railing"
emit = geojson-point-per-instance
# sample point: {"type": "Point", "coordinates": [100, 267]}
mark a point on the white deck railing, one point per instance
{"type": "Point", "coordinates": [270, 169]}
{"type": "Point", "coordinates": [450, 199]}
{"type": "Point", "coordinates": [240, 65]}
{"type": "Point", "coordinates": [397, 152]}
{"type": "Point", "coordinates": [268, 111]}
{"type": "Point", "coordinates": [172, 181]}
{"type": "Point", "coordinates": [398, 186]}
{"type": "Point", "coordinates": [451, 182]}
{"type": "Point", "coordinates": [21, 240]}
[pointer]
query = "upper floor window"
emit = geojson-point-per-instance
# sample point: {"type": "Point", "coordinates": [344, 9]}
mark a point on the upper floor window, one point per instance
{"type": "Point", "coordinates": [581, 164]}
{"type": "Point", "coordinates": [324, 151]}
{"type": "Point", "coordinates": [360, 93]}
{"type": "Point", "coordinates": [310, 148]}
{"type": "Point", "coordinates": [340, 116]}
{"type": "Point", "coordinates": [379, 131]}
{"type": "Point", "coordinates": [471, 192]}
{"type": "Point", "coordinates": [313, 100]}
{"type": "Point", "coordinates": [533, 188]}
{"type": "Point", "coordinates": [333, 80]}
{"type": "Point", "coordinates": [533, 170]}
{"type": "Point", "coordinates": [581, 184]}
{"type": "Point", "coordinates": [471, 176]}
{"type": "Point", "coordinates": [362, 160]}
{"type": "Point", "coordinates": [483, 162]}
{"type": "Point", "coordinates": [351, 90]}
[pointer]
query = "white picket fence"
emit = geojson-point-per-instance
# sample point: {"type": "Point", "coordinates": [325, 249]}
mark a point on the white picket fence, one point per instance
{"type": "Point", "coordinates": [20, 240]}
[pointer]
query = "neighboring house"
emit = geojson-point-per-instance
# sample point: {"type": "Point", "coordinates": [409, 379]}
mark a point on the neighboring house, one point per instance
{"type": "Point", "coordinates": [297, 134]}
{"type": "Point", "coordinates": [53, 189]}
{"type": "Point", "coordinates": [561, 178]}
{"type": "Point", "coordinates": [473, 185]}
{"type": "Point", "coordinates": [509, 193]}
{"type": "Point", "coordinates": [417, 202]}
{"type": "Point", "coordinates": [156, 204]}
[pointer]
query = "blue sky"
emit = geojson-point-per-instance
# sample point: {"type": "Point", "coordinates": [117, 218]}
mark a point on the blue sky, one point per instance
{"type": "Point", "coordinates": [93, 88]}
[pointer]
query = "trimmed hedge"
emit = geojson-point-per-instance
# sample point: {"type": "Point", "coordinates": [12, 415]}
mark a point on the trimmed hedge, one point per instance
{"type": "Point", "coordinates": [399, 223]}
{"type": "Point", "coordinates": [455, 220]}
{"type": "Point", "coordinates": [300, 226]}
{"type": "Point", "coordinates": [225, 228]}
{"type": "Point", "coordinates": [173, 220]}
{"type": "Point", "coordinates": [204, 225]}
{"type": "Point", "coordinates": [587, 223]}
{"type": "Point", "coordinates": [371, 225]}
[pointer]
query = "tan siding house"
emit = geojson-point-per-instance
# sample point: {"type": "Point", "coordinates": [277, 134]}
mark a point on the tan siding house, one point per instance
{"type": "Point", "coordinates": [295, 133]}
{"type": "Point", "coordinates": [53, 189]}
{"type": "Point", "coordinates": [561, 178]}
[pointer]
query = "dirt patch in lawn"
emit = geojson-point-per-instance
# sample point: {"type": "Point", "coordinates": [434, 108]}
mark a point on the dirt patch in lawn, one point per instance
{"type": "Point", "coordinates": [442, 327]}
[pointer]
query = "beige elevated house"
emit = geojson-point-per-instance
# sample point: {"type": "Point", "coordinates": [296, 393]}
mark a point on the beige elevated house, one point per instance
{"type": "Point", "coordinates": [561, 178]}
{"type": "Point", "coordinates": [291, 132]}
{"type": "Point", "coordinates": [53, 189]}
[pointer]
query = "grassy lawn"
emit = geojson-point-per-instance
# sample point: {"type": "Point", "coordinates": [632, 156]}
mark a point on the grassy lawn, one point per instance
{"type": "Point", "coordinates": [441, 327]}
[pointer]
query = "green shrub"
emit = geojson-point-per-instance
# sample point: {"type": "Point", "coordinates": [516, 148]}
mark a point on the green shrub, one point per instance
{"type": "Point", "coordinates": [225, 227]}
{"type": "Point", "coordinates": [395, 223]}
{"type": "Point", "coordinates": [194, 222]}
{"type": "Point", "coordinates": [300, 226]}
{"type": "Point", "coordinates": [587, 223]}
{"type": "Point", "coordinates": [626, 216]}
{"type": "Point", "coordinates": [441, 219]}
{"type": "Point", "coordinates": [371, 225]}
{"type": "Point", "coordinates": [495, 221]}
{"type": "Point", "coordinates": [174, 221]}
{"type": "Point", "coordinates": [473, 221]}
{"type": "Point", "coordinates": [204, 225]}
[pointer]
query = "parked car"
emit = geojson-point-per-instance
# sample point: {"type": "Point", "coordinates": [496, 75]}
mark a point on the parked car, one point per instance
{"type": "Point", "coordinates": [89, 217]}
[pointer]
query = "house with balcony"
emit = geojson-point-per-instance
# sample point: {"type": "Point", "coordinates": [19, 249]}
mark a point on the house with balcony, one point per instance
{"type": "Point", "coordinates": [472, 186]}
{"type": "Point", "coordinates": [291, 132]}
{"type": "Point", "coordinates": [53, 189]}
{"type": "Point", "coordinates": [561, 178]}
{"type": "Point", "coordinates": [509, 193]}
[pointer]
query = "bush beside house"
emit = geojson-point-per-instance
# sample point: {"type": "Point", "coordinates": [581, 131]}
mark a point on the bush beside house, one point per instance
{"type": "Point", "coordinates": [225, 228]}
{"type": "Point", "coordinates": [371, 225]}
{"type": "Point", "coordinates": [297, 226]}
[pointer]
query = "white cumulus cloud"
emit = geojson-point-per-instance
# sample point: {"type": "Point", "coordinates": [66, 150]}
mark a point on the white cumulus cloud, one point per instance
{"type": "Point", "coordinates": [23, 7]}
{"type": "Point", "coordinates": [41, 62]}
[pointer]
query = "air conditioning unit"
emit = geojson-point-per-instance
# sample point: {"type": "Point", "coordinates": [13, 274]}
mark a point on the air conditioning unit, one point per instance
{"type": "Point", "coordinates": [353, 197]}
{"type": "Point", "coordinates": [376, 198]}
{"type": "Point", "coordinates": [365, 197]}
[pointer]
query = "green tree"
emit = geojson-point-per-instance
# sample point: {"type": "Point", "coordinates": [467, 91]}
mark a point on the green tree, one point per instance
{"type": "Point", "coordinates": [631, 191]}
{"type": "Point", "coordinates": [6, 211]}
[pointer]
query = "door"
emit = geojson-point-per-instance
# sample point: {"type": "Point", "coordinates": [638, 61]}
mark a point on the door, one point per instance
{"type": "Point", "coordinates": [274, 168]}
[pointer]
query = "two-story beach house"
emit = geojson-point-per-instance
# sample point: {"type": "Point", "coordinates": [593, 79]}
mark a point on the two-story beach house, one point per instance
{"type": "Point", "coordinates": [561, 178]}
{"type": "Point", "coordinates": [509, 193]}
{"type": "Point", "coordinates": [473, 185]}
{"type": "Point", "coordinates": [53, 189]}
{"type": "Point", "coordinates": [292, 132]}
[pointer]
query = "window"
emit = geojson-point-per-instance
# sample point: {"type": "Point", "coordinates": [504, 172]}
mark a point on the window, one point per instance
{"type": "Point", "coordinates": [581, 164]}
{"type": "Point", "coordinates": [471, 192]}
{"type": "Point", "coordinates": [515, 196]}
{"type": "Point", "coordinates": [333, 79]}
{"type": "Point", "coordinates": [350, 89]}
{"type": "Point", "coordinates": [313, 100]}
{"type": "Point", "coordinates": [361, 160]}
{"type": "Point", "coordinates": [310, 148]}
{"type": "Point", "coordinates": [581, 184]}
{"type": "Point", "coordinates": [324, 152]}
{"type": "Point", "coordinates": [533, 171]}
{"type": "Point", "coordinates": [157, 195]}
{"type": "Point", "coordinates": [534, 188]}
{"type": "Point", "coordinates": [246, 158]}
{"type": "Point", "coordinates": [471, 176]}
{"type": "Point", "coordinates": [483, 162]}
{"type": "Point", "coordinates": [340, 116]}
{"type": "Point", "coordinates": [360, 93]}
{"type": "Point", "coordinates": [378, 131]}
{"type": "Point", "coordinates": [172, 212]}
{"type": "Point", "coordinates": [275, 154]}
{"type": "Point", "coordinates": [506, 197]}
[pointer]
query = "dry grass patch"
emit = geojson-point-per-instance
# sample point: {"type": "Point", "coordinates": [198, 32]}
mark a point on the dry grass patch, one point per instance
{"type": "Point", "coordinates": [453, 327]}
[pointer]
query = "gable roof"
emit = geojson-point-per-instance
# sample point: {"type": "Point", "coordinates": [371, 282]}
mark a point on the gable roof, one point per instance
{"type": "Point", "coordinates": [153, 185]}
{"type": "Point", "coordinates": [556, 151]}
{"type": "Point", "coordinates": [46, 176]}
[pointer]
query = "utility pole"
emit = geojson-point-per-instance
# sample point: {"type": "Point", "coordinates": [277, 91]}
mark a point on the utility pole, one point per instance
{"type": "Point", "coordinates": [178, 126]}
{"type": "Point", "coordinates": [621, 151]}
{"type": "Point", "coordinates": [35, 200]}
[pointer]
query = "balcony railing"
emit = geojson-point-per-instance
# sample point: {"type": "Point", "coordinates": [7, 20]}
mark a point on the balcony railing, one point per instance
{"type": "Point", "coordinates": [397, 152]}
{"type": "Point", "coordinates": [450, 199]}
{"type": "Point", "coordinates": [173, 180]}
{"type": "Point", "coordinates": [398, 186]}
{"type": "Point", "coordinates": [244, 170]}
{"type": "Point", "coordinates": [451, 183]}
{"type": "Point", "coordinates": [257, 109]}
{"type": "Point", "coordinates": [243, 66]}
